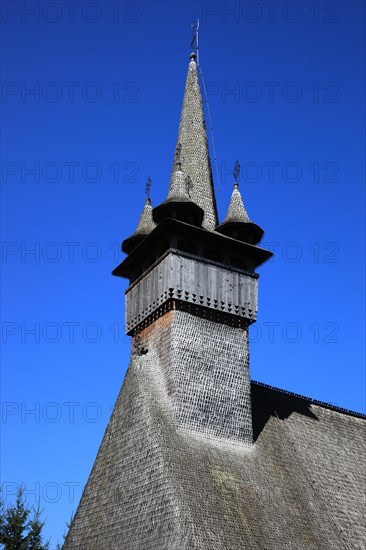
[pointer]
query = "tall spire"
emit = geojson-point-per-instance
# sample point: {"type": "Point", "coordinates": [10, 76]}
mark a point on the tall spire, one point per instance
{"type": "Point", "coordinates": [193, 145]}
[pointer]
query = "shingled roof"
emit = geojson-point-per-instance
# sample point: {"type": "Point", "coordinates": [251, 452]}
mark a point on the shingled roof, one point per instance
{"type": "Point", "coordinates": [145, 225]}
{"type": "Point", "coordinates": [300, 486]}
{"type": "Point", "coordinates": [236, 211]}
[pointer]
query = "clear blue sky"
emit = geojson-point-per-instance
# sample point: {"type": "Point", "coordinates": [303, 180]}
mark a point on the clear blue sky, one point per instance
{"type": "Point", "coordinates": [286, 93]}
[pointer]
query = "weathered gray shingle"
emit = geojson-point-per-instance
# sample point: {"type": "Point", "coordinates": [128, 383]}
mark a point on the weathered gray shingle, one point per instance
{"type": "Point", "coordinates": [178, 188]}
{"type": "Point", "coordinates": [236, 211]}
{"type": "Point", "coordinates": [146, 223]}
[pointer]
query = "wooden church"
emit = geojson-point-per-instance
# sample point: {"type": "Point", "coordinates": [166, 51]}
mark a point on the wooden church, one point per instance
{"type": "Point", "coordinates": [196, 455]}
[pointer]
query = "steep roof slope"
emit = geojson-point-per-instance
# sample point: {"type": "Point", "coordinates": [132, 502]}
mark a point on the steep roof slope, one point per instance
{"type": "Point", "coordinates": [300, 487]}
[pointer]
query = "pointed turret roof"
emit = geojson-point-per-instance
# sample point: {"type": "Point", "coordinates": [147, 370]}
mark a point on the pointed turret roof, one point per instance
{"type": "Point", "coordinates": [237, 223]}
{"type": "Point", "coordinates": [194, 155]}
{"type": "Point", "coordinates": [179, 203]}
{"type": "Point", "coordinates": [145, 225]}
{"type": "Point", "coordinates": [178, 188]}
{"type": "Point", "coordinates": [236, 211]}
{"type": "Point", "coordinates": [146, 222]}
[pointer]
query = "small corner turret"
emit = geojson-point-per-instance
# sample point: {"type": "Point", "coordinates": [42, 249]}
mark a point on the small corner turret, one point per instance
{"type": "Point", "coordinates": [179, 204]}
{"type": "Point", "coordinates": [145, 225]}
{"type": "Point", "coordinates": [237, 223]}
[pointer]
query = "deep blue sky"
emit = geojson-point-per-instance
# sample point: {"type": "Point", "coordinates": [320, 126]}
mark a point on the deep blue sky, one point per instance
{"type": "Point", "coordinates": [106, 108]}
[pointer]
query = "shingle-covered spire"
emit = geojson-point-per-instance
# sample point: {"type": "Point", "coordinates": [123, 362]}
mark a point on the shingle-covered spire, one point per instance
{"type": "Point", "coordinates": [144, 227]}
{"type": "Point", "coordinates": [236, 211]}
{"type": "Point", "coordinates": [194, 155]}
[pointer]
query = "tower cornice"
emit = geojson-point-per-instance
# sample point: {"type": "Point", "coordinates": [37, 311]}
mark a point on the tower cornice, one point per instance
{"type": "Point", "coordinates": [172, 233]}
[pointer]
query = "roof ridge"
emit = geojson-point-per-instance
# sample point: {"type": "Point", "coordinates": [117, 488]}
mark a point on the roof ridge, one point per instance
{"type": "Point", "coordinates": [311, 400]}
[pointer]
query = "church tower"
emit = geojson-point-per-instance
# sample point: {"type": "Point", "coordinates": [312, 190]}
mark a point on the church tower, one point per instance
{"type": "Point", "coordinates": [191, 298]}
{"type": "Point", "coordinates": [193, 289]}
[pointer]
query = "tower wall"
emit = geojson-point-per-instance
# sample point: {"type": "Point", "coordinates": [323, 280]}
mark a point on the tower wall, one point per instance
{"type": "Point", "coordinates": [204, 366]}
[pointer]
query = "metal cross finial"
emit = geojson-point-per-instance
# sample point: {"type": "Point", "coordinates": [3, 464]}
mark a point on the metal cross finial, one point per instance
{"type": "Point", "coordinates": [189, 185]}
{"type": "Point", "coordinates": [193, 27]}
{"type": "Point", "coordinates": [147, 187]}
{"type": "Point", "coordinates": [236, 171]}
